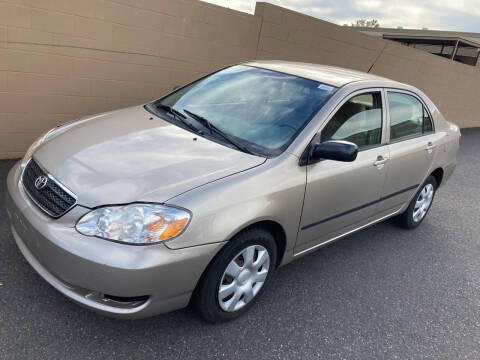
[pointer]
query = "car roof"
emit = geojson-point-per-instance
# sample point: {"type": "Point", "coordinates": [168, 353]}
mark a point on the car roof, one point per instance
{"type": "Point", "coordinates": [331, 75]}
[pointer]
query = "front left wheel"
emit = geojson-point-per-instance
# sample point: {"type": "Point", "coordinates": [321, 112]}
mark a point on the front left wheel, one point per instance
{"type": "Point", "coordinates": [237, 276]}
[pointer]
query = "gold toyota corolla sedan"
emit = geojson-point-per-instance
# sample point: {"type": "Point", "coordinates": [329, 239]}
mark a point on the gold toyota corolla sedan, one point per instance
{"type": "Point", "coordinates": [199, 196]}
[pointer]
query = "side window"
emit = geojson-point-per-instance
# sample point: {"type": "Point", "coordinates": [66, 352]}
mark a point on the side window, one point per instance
{"type": "Point", "coordinates": [407, 116]}
{"type": "Point", "coordinates": [359, 120]}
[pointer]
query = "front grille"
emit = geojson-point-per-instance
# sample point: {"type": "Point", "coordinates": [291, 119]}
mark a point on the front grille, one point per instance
{"type": "Point", "coordinates": [53, 198]}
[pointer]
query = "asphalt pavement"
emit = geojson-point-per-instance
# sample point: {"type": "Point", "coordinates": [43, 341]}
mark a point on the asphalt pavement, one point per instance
{"type": "Point", "coordinates": [382, 293]}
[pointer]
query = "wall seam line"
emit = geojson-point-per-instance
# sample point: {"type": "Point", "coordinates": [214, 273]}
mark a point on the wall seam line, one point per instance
{"type": "Point", "coordinates": [258, 37]}
{"type": "Point", "coordinates": [378, 57]}
{"type": "Point", "coordinates": [96, 49]}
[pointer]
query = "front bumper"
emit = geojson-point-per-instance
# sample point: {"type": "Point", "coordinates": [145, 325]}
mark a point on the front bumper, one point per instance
{"type": "Point", "coordinates": [96, 273]}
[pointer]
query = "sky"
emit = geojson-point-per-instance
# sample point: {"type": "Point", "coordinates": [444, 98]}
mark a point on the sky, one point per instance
{"type": "Point", "coordinates": [454, 15]}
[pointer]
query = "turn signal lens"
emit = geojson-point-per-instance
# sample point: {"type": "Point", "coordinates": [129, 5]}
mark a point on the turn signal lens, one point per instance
{"type": "Point", "coordinates": [173, 229]}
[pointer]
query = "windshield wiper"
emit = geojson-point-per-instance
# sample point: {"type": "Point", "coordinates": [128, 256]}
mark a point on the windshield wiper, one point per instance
{"type": "Point", "coordinates": [179, 116]}
{"type": "Point", "coordinates": [213, 128]}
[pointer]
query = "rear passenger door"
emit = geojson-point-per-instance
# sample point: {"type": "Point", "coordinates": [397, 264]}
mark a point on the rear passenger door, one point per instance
{"type": "Point", "coordinates": [412, 146]}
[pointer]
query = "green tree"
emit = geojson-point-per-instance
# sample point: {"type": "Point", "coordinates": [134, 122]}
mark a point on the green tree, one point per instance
{"type": "Point", "coordinates": [366, 23]}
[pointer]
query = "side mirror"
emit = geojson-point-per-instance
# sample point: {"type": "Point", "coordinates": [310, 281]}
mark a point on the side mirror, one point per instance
{"type": "Point", "coordinates": [333, 150]}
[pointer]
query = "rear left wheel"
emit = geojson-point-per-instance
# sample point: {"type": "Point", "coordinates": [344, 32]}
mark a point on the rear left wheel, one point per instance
{"type": "Point", "coordinates": [419, 206]}
{"type": "Point", "coordinates": [237, 276]}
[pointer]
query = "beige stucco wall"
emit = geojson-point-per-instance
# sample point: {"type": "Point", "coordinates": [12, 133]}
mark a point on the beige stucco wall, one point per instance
{"type": "Point", "coordinates": [61, 59]}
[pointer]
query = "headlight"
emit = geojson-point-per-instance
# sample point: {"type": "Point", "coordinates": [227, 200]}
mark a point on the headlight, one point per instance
{"type": "Point", "coordinates": [134, 223]}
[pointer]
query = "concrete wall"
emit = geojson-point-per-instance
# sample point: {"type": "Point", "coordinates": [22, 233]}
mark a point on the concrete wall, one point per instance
{"type": "Point", "coordinates": [61, 59]}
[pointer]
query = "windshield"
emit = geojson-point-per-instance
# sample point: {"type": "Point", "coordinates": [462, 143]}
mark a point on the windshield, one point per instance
{"type": "Point", "coordinates": [263, 109]}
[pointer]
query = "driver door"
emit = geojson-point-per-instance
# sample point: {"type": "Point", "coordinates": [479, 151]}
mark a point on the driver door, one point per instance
{"type": "Point", "coordinates": [343, 195]}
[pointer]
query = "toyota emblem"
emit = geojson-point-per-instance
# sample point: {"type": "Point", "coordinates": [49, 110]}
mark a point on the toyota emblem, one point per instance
{"type": "Point", "coordinates": [41, 182]}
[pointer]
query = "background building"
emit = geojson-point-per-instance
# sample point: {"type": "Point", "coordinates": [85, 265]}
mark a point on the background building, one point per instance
{"type": "Point", "coordinates": [458, 46]}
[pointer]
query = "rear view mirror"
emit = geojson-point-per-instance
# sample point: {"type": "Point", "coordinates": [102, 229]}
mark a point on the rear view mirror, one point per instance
{"type": "Point", "coordinates": [333, 150]}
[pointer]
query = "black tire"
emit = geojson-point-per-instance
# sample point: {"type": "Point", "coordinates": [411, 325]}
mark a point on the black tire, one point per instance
{"type": "Point", "coordinates": [406, 219]}
{"type": "Point", "coordinates": [205, 297]}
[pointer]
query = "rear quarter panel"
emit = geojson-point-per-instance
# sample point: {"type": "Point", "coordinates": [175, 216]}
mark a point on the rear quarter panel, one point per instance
{"type": "Point", "coordinates": [448, 135]}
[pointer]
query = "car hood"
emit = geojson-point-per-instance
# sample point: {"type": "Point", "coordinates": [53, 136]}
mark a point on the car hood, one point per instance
{"type": "Point", "coordinates": [131, 155]}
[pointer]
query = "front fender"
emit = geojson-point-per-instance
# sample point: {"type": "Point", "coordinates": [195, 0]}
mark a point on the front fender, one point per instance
{"type": "Point", "coordinates": [273, 191]}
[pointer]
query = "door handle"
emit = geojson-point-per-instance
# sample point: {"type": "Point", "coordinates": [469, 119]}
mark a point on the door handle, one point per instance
{"type": "Point", "coordinates": [380, 162]}
{"type": "Point", "coordinates": [430, 147]}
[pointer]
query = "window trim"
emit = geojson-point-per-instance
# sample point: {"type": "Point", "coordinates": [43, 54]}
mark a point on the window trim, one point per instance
{"type": "Point", "coordinates": [425, 107]}
{"type": "Point", "coordinates": [383, 138]}
{"type": "Point", "coordinates": [431, 121]}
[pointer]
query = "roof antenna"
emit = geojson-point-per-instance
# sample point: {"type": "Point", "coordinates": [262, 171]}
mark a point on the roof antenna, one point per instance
{"type": "Point", "coordinates": [370, 68]}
